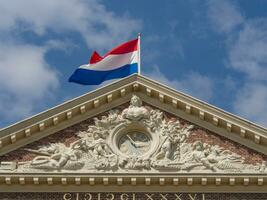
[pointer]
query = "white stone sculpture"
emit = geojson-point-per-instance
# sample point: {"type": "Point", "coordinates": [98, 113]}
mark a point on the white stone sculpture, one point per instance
{"type": "Point", "coordinates": [137, 138]}
{"type": "Point", "coordinates": [135, 111]}
{"type": "Point", "coordinates": [58, 156]}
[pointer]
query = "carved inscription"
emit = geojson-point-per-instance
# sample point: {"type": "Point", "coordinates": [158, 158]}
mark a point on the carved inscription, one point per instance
{"type": "Point", "coordinates": [132, 196]}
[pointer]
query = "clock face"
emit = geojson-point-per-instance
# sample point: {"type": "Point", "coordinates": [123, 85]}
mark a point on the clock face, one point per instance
{"type": "Point", "coordinates": [134, 143]}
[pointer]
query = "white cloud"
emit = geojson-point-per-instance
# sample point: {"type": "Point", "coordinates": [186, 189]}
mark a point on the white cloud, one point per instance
{"type": "Point", "coordinates": [24, 70]}
{"type": "Point", "coordinates": [248, 53]}
{"type": "Point", "coordinates": [99, 27]}
{"type": "Point", "coordinates": [25, 78]}
{"type": "Point", "coordinates": [193, 83]}
{"type": "Point", "coordinates": [251, 102]}
{"type": "Point", "coordinates": [224, 15]}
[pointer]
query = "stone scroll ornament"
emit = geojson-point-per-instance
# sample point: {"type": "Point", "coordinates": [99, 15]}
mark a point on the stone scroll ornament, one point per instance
{"type": "Point", "coordinates": [138, 138]}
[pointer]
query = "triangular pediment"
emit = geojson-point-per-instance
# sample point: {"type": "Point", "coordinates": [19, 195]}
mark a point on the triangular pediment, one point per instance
{"type": "Point", "coordinates": [118, 93]}
{"type": "Point", "coordinates": [134, 137]}
{"type": "Point", "coordinates": [134, 126]}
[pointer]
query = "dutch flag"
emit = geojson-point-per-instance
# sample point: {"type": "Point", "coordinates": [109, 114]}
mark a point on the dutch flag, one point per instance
{"type": "Point", "coordinates": [121, 61]}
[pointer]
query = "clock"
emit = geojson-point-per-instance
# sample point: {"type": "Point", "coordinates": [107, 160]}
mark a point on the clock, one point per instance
{"type": "Point", "coordinates": [134, 143]}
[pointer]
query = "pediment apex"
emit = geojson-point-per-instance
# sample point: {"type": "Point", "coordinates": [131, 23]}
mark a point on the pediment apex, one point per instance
{"type": "Point", "coordinates": [120, 92]}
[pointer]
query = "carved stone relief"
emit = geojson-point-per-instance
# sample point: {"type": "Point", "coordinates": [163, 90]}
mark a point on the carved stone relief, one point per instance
{"type": "Point", "coordinates": [137, 138]}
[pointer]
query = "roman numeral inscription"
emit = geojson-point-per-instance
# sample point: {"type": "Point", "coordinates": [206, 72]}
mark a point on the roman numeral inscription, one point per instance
{"type": "Point", "coordinates": [129, 196]}
{"type": "Point", "coordinates": [133, 196]}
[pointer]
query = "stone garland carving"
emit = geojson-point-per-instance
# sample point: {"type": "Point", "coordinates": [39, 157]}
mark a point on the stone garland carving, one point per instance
{"type": "Point", "coordinates": [160, 146]}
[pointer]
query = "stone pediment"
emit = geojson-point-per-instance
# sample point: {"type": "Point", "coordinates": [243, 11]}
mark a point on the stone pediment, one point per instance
{"type": "Point", "coordinates": [134, 138]}
{"type": "Point", "coordinates": [134, 128]}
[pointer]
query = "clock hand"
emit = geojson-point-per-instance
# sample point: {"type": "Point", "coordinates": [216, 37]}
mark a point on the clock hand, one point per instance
{"type": "Point", "coordinates": [137, 144]}
{"type": "Point", "coordinates": [131, 140]}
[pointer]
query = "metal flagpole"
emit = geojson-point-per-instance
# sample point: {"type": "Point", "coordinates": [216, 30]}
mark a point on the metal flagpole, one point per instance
{"type": "Point", "coordinates": [139, 53]}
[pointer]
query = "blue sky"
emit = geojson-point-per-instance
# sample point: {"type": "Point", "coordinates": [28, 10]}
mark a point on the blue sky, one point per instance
{"type": "Point", "coordinates": [214, 50]}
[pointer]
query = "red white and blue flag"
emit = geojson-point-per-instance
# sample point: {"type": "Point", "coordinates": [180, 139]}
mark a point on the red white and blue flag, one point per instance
{"type": "Point", "coordinates": [121, 61]}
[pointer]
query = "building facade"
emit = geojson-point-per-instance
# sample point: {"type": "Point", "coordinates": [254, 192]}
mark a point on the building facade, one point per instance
{"type": "Point", "coordinates": [133, 139]}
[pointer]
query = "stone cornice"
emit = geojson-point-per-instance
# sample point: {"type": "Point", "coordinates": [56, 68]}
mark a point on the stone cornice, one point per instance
{"type": "Point", "coordinates": [134, 182]}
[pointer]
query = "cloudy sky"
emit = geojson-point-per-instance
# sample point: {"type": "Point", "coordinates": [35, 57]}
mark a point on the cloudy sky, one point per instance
{"type": "Point", "coordinates": [214, 50]}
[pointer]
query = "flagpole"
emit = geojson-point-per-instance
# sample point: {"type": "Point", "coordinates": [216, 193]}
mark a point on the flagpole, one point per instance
{"type": "Point", "coordinates": [139, 53]}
